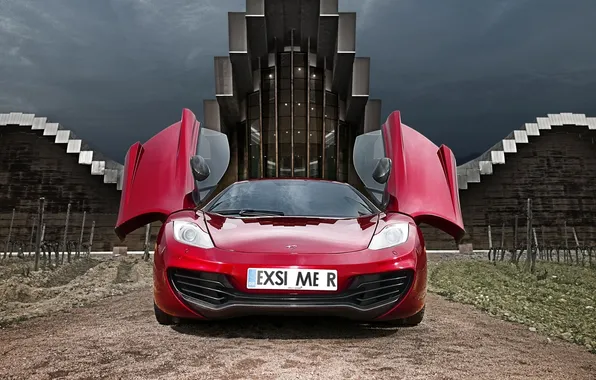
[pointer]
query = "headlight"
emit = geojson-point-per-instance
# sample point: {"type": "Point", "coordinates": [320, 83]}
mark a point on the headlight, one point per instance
{"type": "Point", "coordinates": [390, 236]}
{"type": "Point", "coordinates": [191, 234]}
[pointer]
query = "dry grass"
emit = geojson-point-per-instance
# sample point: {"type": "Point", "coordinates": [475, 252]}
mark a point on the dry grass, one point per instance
{"type": "Point", "coordinates": [559, 300]}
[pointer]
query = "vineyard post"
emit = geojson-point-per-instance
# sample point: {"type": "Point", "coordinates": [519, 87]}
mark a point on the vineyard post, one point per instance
{"type": "Point", "coordinates": [79, 247]}
{"type": "Point", "coordinates": [146, 246]}
{"type": "Point", "coordinates": [38, 237]}
{"type": "Point", "coordinates": [502, 241]}
{"type": "Point", "coordinates": [65, 237]}
{"type": "Point", "coordinates": [528, 234]}
{"type": "Point", "coordinates": [7, 245]}
{"type": "Point", "coordinates": [577, 246]}
{"type": "Point", "coordinates": [91, 239]}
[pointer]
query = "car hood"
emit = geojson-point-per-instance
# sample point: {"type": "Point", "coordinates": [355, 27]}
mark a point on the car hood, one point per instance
{"type": "Point", "coordinates": [290, 234]}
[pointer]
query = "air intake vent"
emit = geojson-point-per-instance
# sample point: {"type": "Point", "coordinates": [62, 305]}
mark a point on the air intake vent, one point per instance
{"type": "Point", "coordinates": [364, 292]}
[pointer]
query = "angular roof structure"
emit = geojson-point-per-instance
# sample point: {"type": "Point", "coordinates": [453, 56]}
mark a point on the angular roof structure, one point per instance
{"type": "Point", "coordinates": [472, 171]}
{"type": "Point", "coordinates": [99, 165]}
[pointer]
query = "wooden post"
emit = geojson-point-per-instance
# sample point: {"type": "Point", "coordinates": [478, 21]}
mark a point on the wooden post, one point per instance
{"type": "Point", "coordinates": [566, 242]}
{"type": "Point", "coordinates": [577, 246]}
{"type": "Point", "coordinates": [65, 237]}
{"type": "Point", "coordinates": [528, 234]}
{"type": "Point", "coordinates": [31, 237]}
{"type": "Point", "coordinates": [39, 237]}
{"type": "Point", "coordinates": [43, 236]}
{"type": "Point", "coordinates": [7, 245]}
{"type": "Point", "coordinates": [546, 251]}
{"type": "Point", "coordinates": [503, 242]}
{"type": "Point", "coordinates": [537, 251]}
{"type": "Point", "coordinates": [91, 239]}
{"type": "Point", "coordinates": [490, 242]}
{"type": "Point", "coordinates": [146, 246]}
{"type": "Point", "coordinates": [514, 252]}
{"type": "Point", "coordinates": [81, 237]}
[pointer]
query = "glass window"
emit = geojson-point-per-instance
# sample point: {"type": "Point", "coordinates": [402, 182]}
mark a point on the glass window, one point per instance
{"type": "Point", "coordinates": [254, 112]}
{"type": "Point", "coordinates": [331, 99]}
{"type": "Point", "coordinates": [330, 149]}
{"type": "Point", "coordinates": [285, 73]}
{"type": "Point", "coordinates": [241, 143]}
{"type": "Point", "coordinates": [293, 198]}
{"type": "Point", "coordinates": [299, 72]}
{"type": "Point", "coordinates": [268, 109]}
{"type": "Point", "coordinates": [316, 97]}
{"type": "Point", "coordinates": [316, 124]}
{"type": "Point", "coordinates": [316, 85]}
{"type": "Point", "coordinates": [300, 84]}
{"type": "Point", "coordinates": [254, 149]}
{"type": "Point", "coordinates": [268, 85]}
{"type": "Point", "coordinates": [285, 96]}
{"type": "Point", "coordinates": [331, 112]}
{"type": "Point", "coordinates": [300, 109]}
{"type": "Point", "coordinates": [300, 59]}
{"type": "Point", "coordinates": [214, 147]}
{"type": "Point", "coordinates": [285, 84]}
{"type": "Point", "coordinates": [316, 110]}
{"type": "Point", "coordinates": [368, 150]}
{"type": "Point", "coordinates": [284, 109]}
{"type": "Point", "coordinates": [285, 160]}
{"type": "Point", "coordinates": [299, 96]}
{"type": "Point", "coordinates": [285, 60]}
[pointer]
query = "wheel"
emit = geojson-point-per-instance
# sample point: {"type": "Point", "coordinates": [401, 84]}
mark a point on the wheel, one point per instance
{"type": "Point", "coordinates": [412, 321]}
{"type": "Point", "coordinates": [162, 317]}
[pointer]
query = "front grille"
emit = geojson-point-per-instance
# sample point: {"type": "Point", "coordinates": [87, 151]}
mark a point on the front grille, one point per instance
{"type": "Point", "coordinates": [364, 291]}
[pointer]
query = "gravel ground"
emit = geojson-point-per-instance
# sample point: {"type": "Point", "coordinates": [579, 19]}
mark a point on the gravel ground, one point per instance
{"type": "Point", "coordinates": [118, 338]}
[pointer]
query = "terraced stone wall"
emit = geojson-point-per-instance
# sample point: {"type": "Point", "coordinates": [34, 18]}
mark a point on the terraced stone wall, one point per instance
{"type": "Point", "coordinates": [557, 170]}
{"type": "Point", "coordinates": [32, 166]}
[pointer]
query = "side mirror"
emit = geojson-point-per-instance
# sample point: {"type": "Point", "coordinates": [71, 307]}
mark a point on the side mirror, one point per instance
{"type": "Point", "coordinates": [199, 167]}
{"type": "Point", "coordinates": [382, 170]}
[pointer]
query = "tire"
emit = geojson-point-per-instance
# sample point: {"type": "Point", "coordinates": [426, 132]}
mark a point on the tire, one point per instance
{"type": "Point", "coordinates": [412, 321]}
{"type": "Point", "coordinates": [162, 317]}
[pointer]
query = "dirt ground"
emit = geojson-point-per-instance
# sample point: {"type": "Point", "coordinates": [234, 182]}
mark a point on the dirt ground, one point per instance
{"type": "Point", "coordinates": [81, 282]}
{"type": "Point", "coordinates": [118, 338]}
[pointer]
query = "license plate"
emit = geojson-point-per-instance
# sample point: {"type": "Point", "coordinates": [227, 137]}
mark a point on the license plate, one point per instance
{"type": "Point", "coordinates": [291, 279]}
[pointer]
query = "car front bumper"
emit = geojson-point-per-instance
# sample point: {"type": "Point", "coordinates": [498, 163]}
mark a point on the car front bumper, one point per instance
{"type": "Point", "coordinates": [211, 284]}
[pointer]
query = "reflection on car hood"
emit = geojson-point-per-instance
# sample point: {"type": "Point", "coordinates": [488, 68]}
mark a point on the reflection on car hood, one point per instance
{"type": "Point", "coordinates": [290, 234]}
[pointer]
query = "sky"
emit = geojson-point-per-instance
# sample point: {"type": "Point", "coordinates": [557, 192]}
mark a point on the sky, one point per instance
{"type": "Point", "coordinates": [463, 72]}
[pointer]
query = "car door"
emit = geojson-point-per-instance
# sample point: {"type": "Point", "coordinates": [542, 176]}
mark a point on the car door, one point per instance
{"type": "Point", "coordinates": [157, 177]}
{"type": "Point", "coordinates": [423, 178]}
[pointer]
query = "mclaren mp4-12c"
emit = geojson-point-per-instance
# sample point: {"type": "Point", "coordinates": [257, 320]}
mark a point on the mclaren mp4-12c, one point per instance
{"type": "Point", "coordinates": [289, 246]}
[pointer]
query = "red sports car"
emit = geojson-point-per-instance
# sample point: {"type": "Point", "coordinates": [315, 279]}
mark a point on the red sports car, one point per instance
{"type": "Point", "coordinates": [289, 246]}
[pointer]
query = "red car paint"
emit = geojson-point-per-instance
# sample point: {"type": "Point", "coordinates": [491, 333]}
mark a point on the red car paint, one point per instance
{"type": "Point", "coordinates": [158, 183]}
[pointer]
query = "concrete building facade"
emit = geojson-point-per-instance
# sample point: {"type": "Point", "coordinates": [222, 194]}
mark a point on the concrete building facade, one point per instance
{"type": "Point", "coordinates": [292, 96]}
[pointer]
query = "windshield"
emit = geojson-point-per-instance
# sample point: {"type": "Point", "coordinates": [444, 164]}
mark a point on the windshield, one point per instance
{"type": "Point", "coordinates": [289, 197]}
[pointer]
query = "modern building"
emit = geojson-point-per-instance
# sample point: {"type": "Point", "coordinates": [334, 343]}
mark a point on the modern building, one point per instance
{"type": "Point", "coordinates": [292, 95]}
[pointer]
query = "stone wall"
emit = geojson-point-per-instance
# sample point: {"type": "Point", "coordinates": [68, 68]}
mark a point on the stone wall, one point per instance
{"type": "Point", "coordinates": [32, 166]}
{"type": "Point", "coordinates": [557, 170]}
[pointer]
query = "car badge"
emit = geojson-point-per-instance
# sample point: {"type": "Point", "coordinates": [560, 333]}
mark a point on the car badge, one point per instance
{"type": "Point", "coordinates": [292, 246]}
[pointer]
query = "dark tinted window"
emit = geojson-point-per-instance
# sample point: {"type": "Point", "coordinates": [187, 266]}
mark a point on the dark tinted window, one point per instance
{"type": "Point", "coordinates": [294, 198]}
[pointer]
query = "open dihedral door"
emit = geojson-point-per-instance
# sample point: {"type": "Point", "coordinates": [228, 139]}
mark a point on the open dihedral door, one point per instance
{"type": "Point", "coordinates": [423, 178]}
{"type": "Point", "coordinates": [157, 178]}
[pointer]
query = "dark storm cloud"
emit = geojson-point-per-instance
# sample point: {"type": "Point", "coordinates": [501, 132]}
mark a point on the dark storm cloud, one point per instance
{"type": "Point", "coordinates": [463, 72]}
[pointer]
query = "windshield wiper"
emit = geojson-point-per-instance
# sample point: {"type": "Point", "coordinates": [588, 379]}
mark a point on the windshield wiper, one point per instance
{"type": "Point", "coordinates": [249, 212]}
